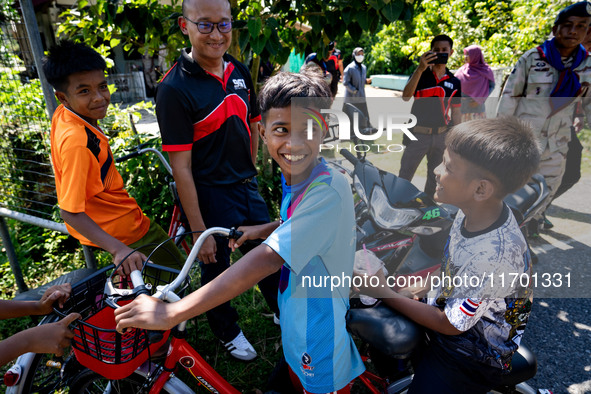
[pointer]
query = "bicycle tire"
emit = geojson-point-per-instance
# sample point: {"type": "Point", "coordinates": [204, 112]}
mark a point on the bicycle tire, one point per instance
{"type": "Point", "coordinates": [41, 378]}
{"type": "Point", "coordinates": [88, 382]}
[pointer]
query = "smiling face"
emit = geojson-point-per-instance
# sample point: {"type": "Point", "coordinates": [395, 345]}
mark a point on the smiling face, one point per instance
{"type": "Point", "coordinates": [570, 33]}
{"type": "Point", "coordinates": [286, 139]}
{"type": "Point", "coordinates": [87, 95]}
{"type": "Point", "coordinates": [456, 183]}
{"type": "Point", "coordinates": [206, 49]}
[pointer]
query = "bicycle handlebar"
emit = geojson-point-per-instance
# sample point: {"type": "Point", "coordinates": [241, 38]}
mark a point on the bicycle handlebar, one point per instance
{"type": "Point", "coordinates": [140, 151]}
{"type": "Point", "coordinates": [166, 290]}
{"type": "Point", "coordinates": [127, 157]}
{"type": "Point", "coordinates": [349, 156]}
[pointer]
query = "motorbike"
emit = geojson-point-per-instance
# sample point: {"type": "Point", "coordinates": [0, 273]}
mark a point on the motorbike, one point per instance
{"type": "Point", "coordinates": [407, 230]}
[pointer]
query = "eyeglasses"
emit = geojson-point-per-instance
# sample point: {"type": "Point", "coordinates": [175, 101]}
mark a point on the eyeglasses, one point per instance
{"type": "Point", "coordinates": [207, 27]}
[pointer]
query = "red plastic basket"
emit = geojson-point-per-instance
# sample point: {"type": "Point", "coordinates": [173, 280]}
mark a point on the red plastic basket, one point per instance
{"type": "Point", "coordinates": [97, 345]}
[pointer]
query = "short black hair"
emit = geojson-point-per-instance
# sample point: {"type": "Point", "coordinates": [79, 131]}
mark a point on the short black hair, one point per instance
{"type": "Point", "coordinates": [504, 147]}
{"type": "Point", "coordinates": [67, 58]}
{"type": "Point", "coordinates": [282, 87]}
{"type": "Point", "coordinates": [442, 37]}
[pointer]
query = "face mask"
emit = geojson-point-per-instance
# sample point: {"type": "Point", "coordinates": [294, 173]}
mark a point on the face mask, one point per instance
{"type": "Point", "coordinates": [359, 58]}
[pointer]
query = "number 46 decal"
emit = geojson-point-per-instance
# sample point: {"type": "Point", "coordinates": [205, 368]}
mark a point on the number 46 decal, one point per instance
{"type": "Point", "coordinates": [432, 214]}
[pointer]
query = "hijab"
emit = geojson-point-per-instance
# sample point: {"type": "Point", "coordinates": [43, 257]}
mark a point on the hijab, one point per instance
{"type": "Point", "coordinates": [475, 75]}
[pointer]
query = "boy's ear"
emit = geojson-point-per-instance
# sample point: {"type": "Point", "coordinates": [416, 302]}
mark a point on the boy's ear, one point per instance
{"type": "Point", "coordinates": [61, 96]}
{"type": "Point", "coordinates": [262, 132]}
{"type": "Point", "coordinates": [485, 189]}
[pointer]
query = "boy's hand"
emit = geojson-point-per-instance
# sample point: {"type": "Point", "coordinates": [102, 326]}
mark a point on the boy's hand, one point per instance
{"type": "Point", "coordinates": [59, 293]}
{"type": "Point", "coordinates": [53, 337]}
{"type": "Point", "coordinates": [381, 290]}
{"type": "Point", "coordinates": [208, 250]}
{"type": "Point", "coordinates": [144, 312]}
{"type": "Point", "coordinates": [133, 261]}
{"type": "Point", "coordinates": [249, 233]}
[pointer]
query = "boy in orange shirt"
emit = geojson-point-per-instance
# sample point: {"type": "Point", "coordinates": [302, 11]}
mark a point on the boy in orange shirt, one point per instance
{"type": "Point", "coordinates": [96, 208]}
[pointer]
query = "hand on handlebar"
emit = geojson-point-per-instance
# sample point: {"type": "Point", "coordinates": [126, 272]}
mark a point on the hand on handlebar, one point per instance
{"type": "Point", "coordinates": [208, 250]}
{"type": "Point", "coordinates": [248, 233]}
{"type": "Point", "coordinates": [133, 261]}
{"type": "Point", "coordinates": [145, 312]}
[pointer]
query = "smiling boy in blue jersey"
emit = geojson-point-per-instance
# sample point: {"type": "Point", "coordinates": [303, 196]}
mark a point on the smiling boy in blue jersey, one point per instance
{"type": "Point", "coordinates": [315, 237]}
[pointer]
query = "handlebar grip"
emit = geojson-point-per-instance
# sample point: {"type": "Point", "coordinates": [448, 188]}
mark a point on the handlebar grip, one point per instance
{"type": "Point", "coordinates": [235, 234]}
{"type": "Point", "coordinates": [155, 336]}
{"type": "Point", "coordinates": [138, 283]}
{"type": "Point", "coordinates": [127, 157]}
{"type": "Point", "coordinates": [349, 156]}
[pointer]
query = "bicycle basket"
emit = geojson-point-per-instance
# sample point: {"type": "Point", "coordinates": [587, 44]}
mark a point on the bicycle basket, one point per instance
{"type": "Point", "coordinates": [96, 343]}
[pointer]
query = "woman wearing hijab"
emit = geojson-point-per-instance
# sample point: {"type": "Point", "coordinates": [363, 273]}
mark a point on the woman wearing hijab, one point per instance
{"type": "Point", "coordinates": [477, 81]}
{"type": "Point", "coordinates": [354, 81]}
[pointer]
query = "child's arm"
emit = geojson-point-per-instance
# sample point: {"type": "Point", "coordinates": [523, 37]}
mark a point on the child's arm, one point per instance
{"type": "Point", "coordinates": [89, 229]}
{"type": "Point", "coordinates": [423, 314]}
{"type": "Point", "coordinates": [259, 231]}
{"type": "Point", "coordinates": [47, 338]}
{"type": "Point", "coordinates": [10, 309]}
{"type": "Point", "coordinates": [150, 313]}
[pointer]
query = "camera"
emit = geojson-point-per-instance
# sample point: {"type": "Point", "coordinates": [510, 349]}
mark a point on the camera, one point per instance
{"type": "Point", "coordinates": [441, 58]}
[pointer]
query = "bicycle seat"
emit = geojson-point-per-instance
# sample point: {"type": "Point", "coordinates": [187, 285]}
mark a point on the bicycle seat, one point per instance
{"type": "Point", "coordinates": [391, 333]}
{"type": "Point", "coordinates": [71, 277]}
{"type": "Point", "coordinates": [524, 367]}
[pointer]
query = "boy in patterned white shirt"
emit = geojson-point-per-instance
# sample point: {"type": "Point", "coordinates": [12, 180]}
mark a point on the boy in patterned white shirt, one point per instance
{"type": "Point", "coordinates": [476, 325]}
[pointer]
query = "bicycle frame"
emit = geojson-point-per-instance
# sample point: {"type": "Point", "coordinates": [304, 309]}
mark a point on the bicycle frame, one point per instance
{"type": "Point", "coordinates": [181, 352]}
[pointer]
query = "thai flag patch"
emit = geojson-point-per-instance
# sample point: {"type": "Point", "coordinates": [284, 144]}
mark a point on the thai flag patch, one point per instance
{"type": "Point", "coordinates": [469, 307]}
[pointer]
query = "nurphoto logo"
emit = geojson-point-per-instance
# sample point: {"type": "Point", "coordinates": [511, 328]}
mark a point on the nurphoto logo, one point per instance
{"type": "Point", "coordinates": [388, 124]}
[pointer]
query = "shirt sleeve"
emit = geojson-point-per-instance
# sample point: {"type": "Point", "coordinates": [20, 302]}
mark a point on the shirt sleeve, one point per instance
{"type": "Point", "coordinates": [467, 305]}
{"type": "Point", "coordinates": [514, 88]}
{"type": "Point", "coordinates": [174, 121]}
{"type": "Point", "coordinates": [72, 190]}
{"type": "Point", "coordinates": [310, 231]}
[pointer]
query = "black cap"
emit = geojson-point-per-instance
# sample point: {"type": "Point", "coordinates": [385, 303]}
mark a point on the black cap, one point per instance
{"type": "Point", "coordinates": [581, 9]}
{"type": "Point", "coordinates": [331, 45]}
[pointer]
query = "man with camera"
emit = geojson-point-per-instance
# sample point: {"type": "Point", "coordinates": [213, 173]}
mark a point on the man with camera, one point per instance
{"type": "Point", "coordinates": [437, 106]}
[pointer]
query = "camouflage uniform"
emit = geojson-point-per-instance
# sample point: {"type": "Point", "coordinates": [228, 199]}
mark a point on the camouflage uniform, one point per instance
{"type": "Point", "coordinates": [527, 96]}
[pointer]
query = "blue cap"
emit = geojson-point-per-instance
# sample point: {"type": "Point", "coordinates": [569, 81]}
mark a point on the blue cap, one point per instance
{"type": "Point", "coordinates": [580, 9]}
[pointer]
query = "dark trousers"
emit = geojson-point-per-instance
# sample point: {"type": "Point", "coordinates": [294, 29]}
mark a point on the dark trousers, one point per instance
{"type": "Point", "coordinates": [440, 372]}
{"type": "Point", "coordinates": [431, 145]}
{"type": "Point", "coordinates": [228, 206]}
{"type": "Point", "coordinates": [572, 172]}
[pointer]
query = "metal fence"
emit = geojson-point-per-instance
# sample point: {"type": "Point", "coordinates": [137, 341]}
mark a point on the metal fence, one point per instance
{"type": "Point", "coordinates": [27, 187]}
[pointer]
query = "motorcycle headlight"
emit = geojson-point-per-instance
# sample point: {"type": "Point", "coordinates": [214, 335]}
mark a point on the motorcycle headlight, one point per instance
{"type": "Point", "coordinates": [359, 189]}
{"type": "Point", "coordinates": [425, 230]}
{"type": "Point", "coordinates": [387, 216]}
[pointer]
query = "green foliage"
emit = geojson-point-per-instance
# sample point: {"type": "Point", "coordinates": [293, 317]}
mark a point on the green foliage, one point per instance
{"type": "Point", "coordinates": [505, 29]}
{"type": "Point", "coordinates": [137, 25]}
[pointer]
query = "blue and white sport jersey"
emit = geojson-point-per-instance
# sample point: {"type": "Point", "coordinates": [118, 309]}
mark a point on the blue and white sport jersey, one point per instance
{"type": "Point", "coordinates": [317, 242]}
{"type": "Point", "coordinates": [490, 307]}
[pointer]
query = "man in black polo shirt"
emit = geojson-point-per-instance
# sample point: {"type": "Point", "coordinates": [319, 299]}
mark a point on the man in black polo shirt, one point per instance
{"type": "Point", "coordinates": [208, 115]}
{"type": "Point", "coordinates": [437, 93]}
